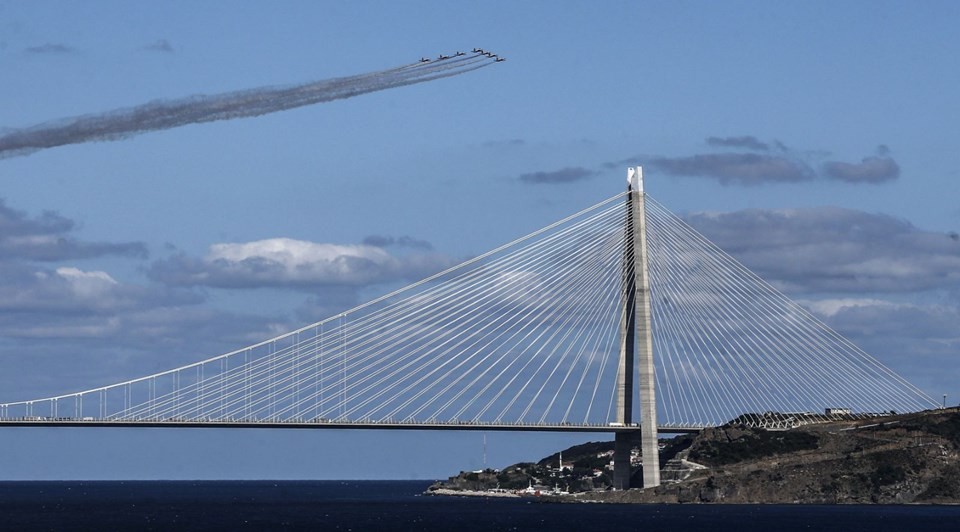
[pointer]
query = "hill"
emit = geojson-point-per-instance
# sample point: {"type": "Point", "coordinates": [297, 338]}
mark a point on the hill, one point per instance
{"type": "Point", "coordinates": [911, 458]}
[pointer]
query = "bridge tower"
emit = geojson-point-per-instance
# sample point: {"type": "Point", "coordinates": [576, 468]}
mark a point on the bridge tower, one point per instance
{"type": "Point", "coordinates": [636, 343]}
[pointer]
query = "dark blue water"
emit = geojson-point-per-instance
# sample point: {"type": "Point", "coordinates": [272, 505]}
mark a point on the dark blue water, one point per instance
{"type": "Point", "coordinates": [397, 505]}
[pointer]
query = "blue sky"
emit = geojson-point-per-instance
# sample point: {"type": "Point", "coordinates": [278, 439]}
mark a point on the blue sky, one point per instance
{"type": "Point", "coordinates": [814, 141]}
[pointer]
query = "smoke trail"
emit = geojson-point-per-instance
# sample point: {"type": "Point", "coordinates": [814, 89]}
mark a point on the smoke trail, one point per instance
{"type": "Point", "coordinates": [124, 123]}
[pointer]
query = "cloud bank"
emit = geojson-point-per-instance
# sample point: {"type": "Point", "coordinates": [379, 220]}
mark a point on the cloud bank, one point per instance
{"type": "Point", "coordinates": [870, 170]}
{"type": "Point", "coordinates": [47, 238]}
{"type": "Point", "coordinates": [754, 162]}
{"type": "Point", "coordinates": [67, 300]}
{"type": "Point", "coordinates": [736, 168]}
{"type": "Point", "coordinates": [835, 250]}
{"type": "Point", "coordinates": [746, 141]}
{"type": "Point", "coordinates": [564, 175]}
{"type": "Point", "coordinates": [50, 48]}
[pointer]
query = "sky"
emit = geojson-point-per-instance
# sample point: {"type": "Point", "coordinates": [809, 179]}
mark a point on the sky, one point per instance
{"type": "Point", "coordinates": [814, 141]}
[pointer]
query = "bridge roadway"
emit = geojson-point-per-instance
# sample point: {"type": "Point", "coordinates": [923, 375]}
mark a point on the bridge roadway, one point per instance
{"type": "Point", "coordinates": [337, 424]}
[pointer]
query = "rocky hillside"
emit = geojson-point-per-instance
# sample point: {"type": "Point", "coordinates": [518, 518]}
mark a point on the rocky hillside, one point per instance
{"type": "Point", "coordinates": [891, 459]}
{"type": "Point", "coordinates": [583, 460]}
{"type": "Point", "coordinates": [896, 459]}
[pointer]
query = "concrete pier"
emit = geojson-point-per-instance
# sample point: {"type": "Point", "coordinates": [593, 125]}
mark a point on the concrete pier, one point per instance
{"type": "Point", "coordinates": [636, 341]}
{"type": "Point", "coordinates": [623, 443]}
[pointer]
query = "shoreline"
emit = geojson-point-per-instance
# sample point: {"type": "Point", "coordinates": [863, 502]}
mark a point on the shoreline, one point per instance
{"type": "Point", "coordinates": [471, 493]}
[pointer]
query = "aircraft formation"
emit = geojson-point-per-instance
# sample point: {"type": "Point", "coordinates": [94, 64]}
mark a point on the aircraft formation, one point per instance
{"type": "Point", "coordinates": [480, 51]}
{"type": "Point", "coordinates": [122, 123]}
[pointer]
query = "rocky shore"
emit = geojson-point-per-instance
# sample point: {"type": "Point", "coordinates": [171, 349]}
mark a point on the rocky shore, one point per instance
{"type": "Point", "coordinates": [471, 493]}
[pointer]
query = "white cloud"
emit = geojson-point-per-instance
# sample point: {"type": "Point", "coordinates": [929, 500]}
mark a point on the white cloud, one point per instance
{"type": "Point", "coordinates": [29, 294]}
{"type": "Point", "coordinates": [87, 284]}
{"type": "Point", "coordinates": [286, 262]}
{"type": "Point", "coordinates": [300, 260]}
{"type": "Point", "coordinates": [831, 307]}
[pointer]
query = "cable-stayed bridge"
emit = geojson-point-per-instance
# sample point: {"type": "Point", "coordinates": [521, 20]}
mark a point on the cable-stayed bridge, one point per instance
{"type": "Point", "coordinates": [564, 329]}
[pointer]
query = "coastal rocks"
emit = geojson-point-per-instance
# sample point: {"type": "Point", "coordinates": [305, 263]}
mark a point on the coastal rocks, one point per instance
{"type": "Point", "coordinates": [476, 481]}
{"type": "Point", "coordinates": [470, 493]}
{"type": "Point", "coordinates": [679, 468]}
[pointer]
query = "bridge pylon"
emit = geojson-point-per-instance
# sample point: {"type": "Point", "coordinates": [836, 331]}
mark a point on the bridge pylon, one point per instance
{"type": "Point", "coordinates": [636, 344]}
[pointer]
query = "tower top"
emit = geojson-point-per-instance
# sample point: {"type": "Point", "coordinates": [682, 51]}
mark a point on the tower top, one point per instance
{"type": "Point", "coordinates": [635, 178]}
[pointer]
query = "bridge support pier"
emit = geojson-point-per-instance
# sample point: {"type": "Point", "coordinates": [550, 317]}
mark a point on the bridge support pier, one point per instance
{"type": "Point", "coordinates": [623, 443]}
{"type": "Point", "coordinates": [636, 342]}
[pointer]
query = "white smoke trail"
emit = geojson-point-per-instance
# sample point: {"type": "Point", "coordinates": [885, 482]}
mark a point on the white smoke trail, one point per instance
{"type": "Point", "coordinates": [124, 123]}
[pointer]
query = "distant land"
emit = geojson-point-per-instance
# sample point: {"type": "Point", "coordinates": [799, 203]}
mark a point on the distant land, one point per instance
{"type": "Point", "coordinates": [910, 458]}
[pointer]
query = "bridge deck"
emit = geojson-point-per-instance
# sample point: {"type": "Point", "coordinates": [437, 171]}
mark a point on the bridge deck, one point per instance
{"type": "Point", "coordinates": [334, 424]}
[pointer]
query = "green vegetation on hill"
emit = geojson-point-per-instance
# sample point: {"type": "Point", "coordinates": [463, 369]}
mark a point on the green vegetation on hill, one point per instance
{"type": "Point", "coordinates": [749, 444]}
{"type": "Point", "coordinates": [945, 426]}
{"type": "Point", "coordinates": [577, 452]}
{"type": "Point", "coordinates": [589, 472]}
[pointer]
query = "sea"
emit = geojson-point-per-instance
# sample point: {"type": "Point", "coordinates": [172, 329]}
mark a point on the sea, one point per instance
{"type": "Point", "coordinates": [400, 505]}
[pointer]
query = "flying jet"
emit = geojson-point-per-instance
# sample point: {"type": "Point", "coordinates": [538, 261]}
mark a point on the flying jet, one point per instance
{"type": "Point", "coordinates": [442, 57]}
{"type": "Point", "coordinates": [424, 60]}
{"type": "Point", "coordinates": [478, 50]}
{"type": "Point", "coordinates": [500, 59]}
{"type": "Point", "coordinates": [489, 54]}
{"type": "Point", "coordinates": [459, 53]}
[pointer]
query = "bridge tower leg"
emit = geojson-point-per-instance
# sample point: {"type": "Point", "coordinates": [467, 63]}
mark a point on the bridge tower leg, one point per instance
{"type": "Point", "coordinates": [636, 340]}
